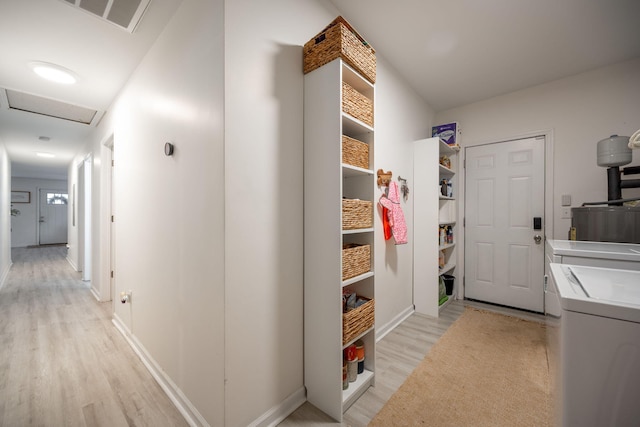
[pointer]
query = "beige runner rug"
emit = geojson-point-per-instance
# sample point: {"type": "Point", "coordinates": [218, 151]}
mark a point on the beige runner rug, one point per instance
{"type": "Point", "coordinates": [486, 370]}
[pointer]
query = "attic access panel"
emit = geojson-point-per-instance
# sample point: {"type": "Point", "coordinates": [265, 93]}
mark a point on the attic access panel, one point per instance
{"type": "Point", "coordinates": [49, 107]}
{"type": "Point", "coordinates": [123, 13]}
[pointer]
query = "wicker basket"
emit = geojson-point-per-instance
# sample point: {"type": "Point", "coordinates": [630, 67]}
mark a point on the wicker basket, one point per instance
{"type": "Point", "coordinates": [356, 214]}
{"type": "Point", "coordinates": [356, 104]}
{"type": "Point", "coordinates": [357, 321]}
{"type": "Point", "coordinates": [339, 39]}
{"type": "Point", "coordinates": [356, 260]}
{"type": "Point", "coordinates": [354, 152]}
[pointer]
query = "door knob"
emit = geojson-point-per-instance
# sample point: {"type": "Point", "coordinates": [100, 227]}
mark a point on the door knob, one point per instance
{"type": "Point", "coordinates": [537, 238]}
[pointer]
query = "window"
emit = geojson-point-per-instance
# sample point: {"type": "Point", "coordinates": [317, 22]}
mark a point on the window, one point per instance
{"type": "Point", "coordinates": [57, 198]}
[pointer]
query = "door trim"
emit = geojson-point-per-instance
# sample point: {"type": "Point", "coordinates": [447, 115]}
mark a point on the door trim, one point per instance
{"type": "Point", "coordinates": [107, 232]}
{"type": "Point", "coordinates": [548, 191]}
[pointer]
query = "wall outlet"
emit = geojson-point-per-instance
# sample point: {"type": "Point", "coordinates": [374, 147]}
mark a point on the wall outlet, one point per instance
{"type": "Point", "coordinates": [565, 213]}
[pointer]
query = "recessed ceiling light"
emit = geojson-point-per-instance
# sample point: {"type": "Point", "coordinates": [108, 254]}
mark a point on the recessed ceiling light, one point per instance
{"type": "Point", "coordinates": [54, 73]}
{"type": "Point", "coordinates": [44, 138]}
{"type": "Point", "coordinates": [47, 155]}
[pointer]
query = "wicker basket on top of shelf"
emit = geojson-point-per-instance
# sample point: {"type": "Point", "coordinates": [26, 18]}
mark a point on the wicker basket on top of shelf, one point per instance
{"type": "Point", "coordinates": [357, 321]}
{"type": "Point", "coordinates": [339, 39]}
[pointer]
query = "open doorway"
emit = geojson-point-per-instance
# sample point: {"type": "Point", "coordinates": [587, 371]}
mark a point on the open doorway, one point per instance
{"type": "Point", "coordinates": [107, 225]}
{"type": "Point", "coordinates": [84, 218]}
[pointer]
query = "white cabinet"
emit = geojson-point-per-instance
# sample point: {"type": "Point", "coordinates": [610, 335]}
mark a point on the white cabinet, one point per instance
{"type": "Point", "coordinates": [326, 182]}
{"type": "Point", "coordinates": [433, 210]}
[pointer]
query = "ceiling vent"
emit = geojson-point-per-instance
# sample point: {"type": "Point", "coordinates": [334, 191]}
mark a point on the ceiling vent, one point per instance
{"type": "Point", "coordinates": [48, 107]}
{"type": "Point", "coordinates": [125, 14]}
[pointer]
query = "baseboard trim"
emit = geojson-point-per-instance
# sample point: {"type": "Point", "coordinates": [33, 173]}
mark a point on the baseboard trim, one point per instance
{"type": "Point", "coordinates": [278, 413]}
{"type": "Point", "coordinates": [186, 408]}
{"type": "Point", "coordinates": [4, 276]}
{"type": "Point", "coordinates": [390, 326]}
{"type": "Point", "coordinates": [95, 294]}
{"type": "Point", "coordinates": [70, 261]}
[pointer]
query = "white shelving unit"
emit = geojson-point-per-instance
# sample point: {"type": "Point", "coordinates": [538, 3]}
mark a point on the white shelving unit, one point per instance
{"type": "Point", "coordinates": [432, 210]}
{"type": "Point", "coordinates": [327, 181]}
{"type": "Point", "coordinates": [447, 214]}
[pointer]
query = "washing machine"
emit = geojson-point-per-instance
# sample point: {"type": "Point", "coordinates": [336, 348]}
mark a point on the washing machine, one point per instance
{"type": "Point", "coordinates": [625, 256]}
{"type": "Point", "coordinates": [595, 357]}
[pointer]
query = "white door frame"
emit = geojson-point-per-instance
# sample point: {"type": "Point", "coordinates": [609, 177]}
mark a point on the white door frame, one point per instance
{"type": "Point", "coordinates": [85, 238]}
{"type": "Point", "coordinates": [80, 217]}
{"type": "Point", "coordinates": [107, 240]}
{"type": "Point", "coordinates": [548, 192]}
{"type": "Point", "coordinates": [88, 223]}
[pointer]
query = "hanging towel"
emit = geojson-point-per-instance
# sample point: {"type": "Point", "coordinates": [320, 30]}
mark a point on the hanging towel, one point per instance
{"type": "Point", "coordinates": [396, 216]}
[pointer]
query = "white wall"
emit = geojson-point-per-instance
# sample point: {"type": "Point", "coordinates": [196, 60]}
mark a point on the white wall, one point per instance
{"type": "Point", "coordinates": [170, 210]}
{"type": "Point", "coordinates": [264, 200]}
{"type": "Point", "coordinates": [402, 118]}
{"type": "Point", "coordinates": [579, 110]}
{"type": "Point", "coordinates": [5, 215]}
{"type": "Point", "coordinates": [25, 226]}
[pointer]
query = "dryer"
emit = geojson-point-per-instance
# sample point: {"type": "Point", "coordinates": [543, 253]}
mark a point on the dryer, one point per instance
{"type": "Point", "coordinates": [595, 358]}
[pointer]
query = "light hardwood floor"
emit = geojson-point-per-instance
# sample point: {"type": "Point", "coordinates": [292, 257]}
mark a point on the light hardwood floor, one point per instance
{"type": "Point", "coordinates": [62, 362]}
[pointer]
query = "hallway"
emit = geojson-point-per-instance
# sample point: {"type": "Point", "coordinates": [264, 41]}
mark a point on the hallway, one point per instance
{"type": "Point", "coordinates": [62, 362]}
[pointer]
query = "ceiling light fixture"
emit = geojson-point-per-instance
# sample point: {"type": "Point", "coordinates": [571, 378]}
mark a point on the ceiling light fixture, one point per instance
{"type": "Point", "coordinates": [47, 155]}
{"type": "Point", "coordinates": [54, 73]}
{"type": "Point", "coordinates": [44, 138]}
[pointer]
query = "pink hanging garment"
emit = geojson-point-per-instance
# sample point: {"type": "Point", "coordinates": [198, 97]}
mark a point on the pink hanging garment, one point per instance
{"type": "Point", "coordinates": [396, 216]}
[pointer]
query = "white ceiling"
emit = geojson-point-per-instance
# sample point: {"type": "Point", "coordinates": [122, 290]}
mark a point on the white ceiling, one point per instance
{"type": "Point", "coordinates": [460, 51]}
{"type": "Point", "coordinates": [451, 52]}
{"type": "Point", "coordinates": [102, 54]}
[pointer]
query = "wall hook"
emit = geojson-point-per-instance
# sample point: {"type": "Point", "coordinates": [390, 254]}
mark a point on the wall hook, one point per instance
{"type": "Point", "coordinates": [404, 188]}
{"type": "Point", "coordinates": [384, 178]}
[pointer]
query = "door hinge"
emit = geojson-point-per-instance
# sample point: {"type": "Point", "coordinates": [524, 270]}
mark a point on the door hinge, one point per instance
{"type": "Point", "coordinates": [113, 163]}
{"type": "Point", "coordinates": [113, 218]}
{"type": "Point", "coordinates": [112, 274]}
{"type": "Point", "coordinates": [464, 164]}
{"type": "Point", "coordinates": [464, 221]}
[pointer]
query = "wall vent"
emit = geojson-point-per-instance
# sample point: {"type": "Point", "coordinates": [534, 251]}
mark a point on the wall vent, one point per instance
{"type": "Point", "coordinates": [49, 107]}
{"type": "Point", "coordinates": [125, 14]}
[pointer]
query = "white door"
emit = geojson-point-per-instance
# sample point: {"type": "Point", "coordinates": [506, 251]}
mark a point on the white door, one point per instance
{"type": "Point", "coordinates": [504, 252]}
{"type": "Point", "coordinates": [53, 217]}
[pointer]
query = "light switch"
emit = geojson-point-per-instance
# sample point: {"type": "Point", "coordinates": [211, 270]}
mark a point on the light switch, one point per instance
{"type": "Point", "coordinates": [566, 200]}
